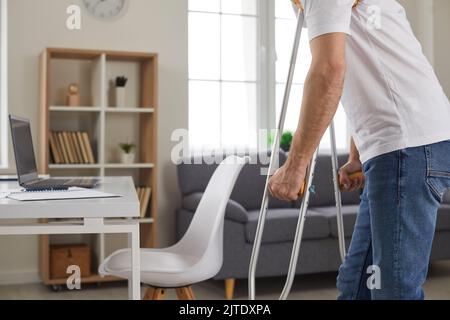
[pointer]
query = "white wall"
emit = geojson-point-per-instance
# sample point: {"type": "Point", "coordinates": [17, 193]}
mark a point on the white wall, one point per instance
{"type": "Point", "coordinates": [148, 25]}
{"type": "Point", "coordinates": [442, 44]}
{"type": "Point", "coordinates": [3, 81]}
{"type": "Point", "coordinates": [420, 14]}
{"type": "Point", "coordinates": [410, 6]}
{"type": "Point", "coordinates": [429, 19]}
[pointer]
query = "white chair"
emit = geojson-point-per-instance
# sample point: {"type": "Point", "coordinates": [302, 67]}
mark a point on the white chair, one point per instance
{"type": "Point", "coordinates": [198, 256]}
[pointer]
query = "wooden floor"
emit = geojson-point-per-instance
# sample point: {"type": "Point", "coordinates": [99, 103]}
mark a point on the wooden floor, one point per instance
{"type": "Point", "coordinates": [311, 287]}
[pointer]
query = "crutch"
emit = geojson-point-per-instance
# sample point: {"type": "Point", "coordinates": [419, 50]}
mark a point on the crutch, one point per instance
{"type": "Point", "coordinates": [306, 190]}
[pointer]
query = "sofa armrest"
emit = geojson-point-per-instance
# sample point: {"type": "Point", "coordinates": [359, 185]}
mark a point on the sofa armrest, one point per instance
{"type": "Point", "coordinates": [234, 210]}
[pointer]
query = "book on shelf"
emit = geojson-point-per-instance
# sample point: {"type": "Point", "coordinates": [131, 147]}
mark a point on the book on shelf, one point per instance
{"type": "Point", "coordinates": [76, 157]}
{"type": "Point", "coordinates": [68, 148]}
{"type": "Point", "coordinates": [62, 147]}
{"type": "Point", "coordinates": [74, 149]}
{"type": "Point", "coordinates": [74, 138]}
{"type": "Point", "coordinates": [71, 148]}
{"type": "Point", "coordinates": [144, 199]}
{"type": "Point", "coordinates": [88, 147]}
{"type": "Point", "coordinates": [82, 147]}
{"type": "Point", "coordinates": [55, 150]}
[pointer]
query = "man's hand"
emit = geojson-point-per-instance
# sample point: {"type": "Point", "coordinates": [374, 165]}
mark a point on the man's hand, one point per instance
{"type": "Point", "coordinates": [287, 181]}
{"type": "Point", "coordinates": [298, 4]}
{"type": "Point", "coordinates": [350, 167]}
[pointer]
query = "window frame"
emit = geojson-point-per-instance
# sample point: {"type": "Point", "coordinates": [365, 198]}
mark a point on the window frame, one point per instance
{"type": "Point", "coordinates": [221, 80]}
{"type": "Point", "coordinates": [3, 84]}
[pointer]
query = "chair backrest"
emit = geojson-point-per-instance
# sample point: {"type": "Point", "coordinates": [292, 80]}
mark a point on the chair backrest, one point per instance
{"type": "Point", "coordinates": [206, 228]}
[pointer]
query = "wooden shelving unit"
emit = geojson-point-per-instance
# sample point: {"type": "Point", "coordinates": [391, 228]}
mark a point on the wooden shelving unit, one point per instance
{"type": "Point", "coordinates": [106, 125]}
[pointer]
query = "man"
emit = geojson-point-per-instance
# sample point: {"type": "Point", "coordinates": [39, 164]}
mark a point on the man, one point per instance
{"type": "Point", "coordinates": [399, 118]}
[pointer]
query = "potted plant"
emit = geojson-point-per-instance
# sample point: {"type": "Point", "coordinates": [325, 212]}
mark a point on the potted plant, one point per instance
{"type": "Point", "coordinates": [127, 156]}
{"type": "Point", "coordinates": [285, 141]}
{"type": "Point", "coordinates": [121, 83]}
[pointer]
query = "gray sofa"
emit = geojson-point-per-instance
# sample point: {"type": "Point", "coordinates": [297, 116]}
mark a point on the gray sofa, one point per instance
{"type": "Point", "coordinates": [319, 250]}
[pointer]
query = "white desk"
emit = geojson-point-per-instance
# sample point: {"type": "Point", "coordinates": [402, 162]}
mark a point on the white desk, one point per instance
{"type": "Point", "coordinates": [93, 213]}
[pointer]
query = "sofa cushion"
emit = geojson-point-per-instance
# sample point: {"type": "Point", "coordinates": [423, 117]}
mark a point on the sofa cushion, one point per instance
{"type": "Point", "coordinates": [249, 187]}
{"type": "Point", "coordinates": [446, 198]}
{"type": "Point", "coordinates": [194, 175]}
{"type": "Point", "coordinates": [443, 218]}
{"type": "Point", "coordinates": [234, 210]}
{"type": "Point", "coordinates": [349, 214]}
{"type": "Point", "coordinates": [323, 183]}
{"type": "Point", "coordinates": [281, 225]}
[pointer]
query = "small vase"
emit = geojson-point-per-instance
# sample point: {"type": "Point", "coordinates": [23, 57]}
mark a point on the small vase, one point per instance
{"type": "Point", "coordinates": [120, 97]}
{"type": "Point", "coordinates": [128, 158]}
{"type": "Point", "coordinates": [73, 100]}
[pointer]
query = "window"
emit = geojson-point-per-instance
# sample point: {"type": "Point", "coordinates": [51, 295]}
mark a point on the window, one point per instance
{"type": "Point", "coordinates": [235, 82]}
{"type": "Point", "coordinates": [3, 86]}
{"type": "Point", "coordinates": [223, 74]}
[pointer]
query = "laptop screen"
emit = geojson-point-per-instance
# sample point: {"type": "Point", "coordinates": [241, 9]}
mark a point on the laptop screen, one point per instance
{"type": "Point", "coordinates": [23, 150]}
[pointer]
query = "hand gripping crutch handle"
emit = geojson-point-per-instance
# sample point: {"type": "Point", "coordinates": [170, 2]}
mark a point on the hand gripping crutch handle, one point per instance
{"type": "Point", "coordinates": [273, 160]}
{"type": "Point", "coordinates": [354, 176]}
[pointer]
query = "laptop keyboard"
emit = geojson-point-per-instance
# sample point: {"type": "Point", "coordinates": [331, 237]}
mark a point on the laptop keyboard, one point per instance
{"type": "Point", "coordinates": [61, 184]}
{"type": "Point", "coordinates": [51, 184]}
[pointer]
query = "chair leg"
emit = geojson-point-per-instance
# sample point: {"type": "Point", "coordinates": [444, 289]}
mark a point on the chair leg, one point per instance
{"type": "Point", "coordinates": [229, 288]}
{"type": "Point", "coordinates": [155, 294]}
{"type": "Point", "coordinates": [185, 293]}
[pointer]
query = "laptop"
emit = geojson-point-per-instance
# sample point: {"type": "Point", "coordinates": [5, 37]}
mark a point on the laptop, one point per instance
{"type": "Point", "coordinates": [26, 162]}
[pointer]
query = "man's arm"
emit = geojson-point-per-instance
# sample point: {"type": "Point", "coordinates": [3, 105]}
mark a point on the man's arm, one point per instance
{"type": "Point", "coordinates": [322, 93]}
{"type": "Point", "coordinates": [354, 153]}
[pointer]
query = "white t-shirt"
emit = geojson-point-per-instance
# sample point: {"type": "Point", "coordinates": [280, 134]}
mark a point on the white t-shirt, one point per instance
{"type": "Point", "coordinates": [392, 97]}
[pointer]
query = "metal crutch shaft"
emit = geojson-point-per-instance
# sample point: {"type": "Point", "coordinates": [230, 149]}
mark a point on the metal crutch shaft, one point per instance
{"type": "Point", "coordinates": [337, 193]}
{"type": "Point", "coordinates": [304, 209]}
{"type": "Point", "coordinates": [299, 231]}
{"type": "Point", "coordinates": [273, 159]}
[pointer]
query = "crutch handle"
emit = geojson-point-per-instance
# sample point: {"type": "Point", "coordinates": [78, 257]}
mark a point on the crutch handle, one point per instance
{"type": "Point", "coordinates": [353, 176]}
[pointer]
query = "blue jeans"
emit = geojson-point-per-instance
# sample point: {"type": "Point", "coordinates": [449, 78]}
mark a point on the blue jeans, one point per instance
{"type": "Point", "coordinates": [396, 224]}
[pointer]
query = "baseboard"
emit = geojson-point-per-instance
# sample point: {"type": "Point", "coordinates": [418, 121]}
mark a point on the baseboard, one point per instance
{"type": "Point", "coordinates": [19, 277]}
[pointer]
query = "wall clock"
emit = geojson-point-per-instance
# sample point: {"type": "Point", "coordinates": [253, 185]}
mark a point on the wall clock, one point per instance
{"type": "Point", "coordinates": [105, 9]}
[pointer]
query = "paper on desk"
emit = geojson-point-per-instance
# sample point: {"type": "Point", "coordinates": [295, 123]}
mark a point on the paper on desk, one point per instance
{"type": "Point", "coordinates": [5, 193]}
{"type": "Point", "coordinates": [72, 193]}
